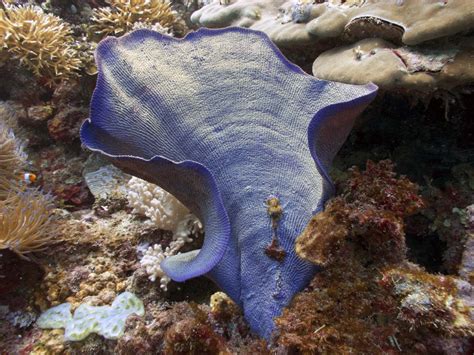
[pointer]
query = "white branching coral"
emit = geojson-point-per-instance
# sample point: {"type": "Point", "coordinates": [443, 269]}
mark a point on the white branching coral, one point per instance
{"type": "Point", "coordinates": [162, 208]}
{"type": "Point", "coordinates": [153, 258]}
{"type": "Point", "coordinates": [165, 212]}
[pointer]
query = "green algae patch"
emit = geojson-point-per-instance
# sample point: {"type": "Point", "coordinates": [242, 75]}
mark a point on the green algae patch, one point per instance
{"type": "Point", "coordinates": [108, 321]}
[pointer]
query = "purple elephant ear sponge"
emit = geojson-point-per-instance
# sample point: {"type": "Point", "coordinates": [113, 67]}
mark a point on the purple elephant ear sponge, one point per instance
{"type": "Point", "coordinates": [238, 134]}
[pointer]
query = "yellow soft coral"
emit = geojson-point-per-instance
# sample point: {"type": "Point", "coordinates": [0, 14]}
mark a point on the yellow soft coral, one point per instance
{"type": "Point", "coordinates": [42, 42]}
{"type": "Point", "coordinates": [123, 15]}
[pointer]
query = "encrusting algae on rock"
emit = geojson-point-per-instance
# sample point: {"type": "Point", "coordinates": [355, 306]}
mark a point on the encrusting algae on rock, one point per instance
{"type": "Point", "coordinates": [369, 298]}
{"type": "Point", "coordinates": [369, 212]}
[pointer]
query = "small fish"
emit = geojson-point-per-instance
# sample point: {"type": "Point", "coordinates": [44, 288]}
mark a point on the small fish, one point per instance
{"type": "Point", "coordinates": [28, 178]}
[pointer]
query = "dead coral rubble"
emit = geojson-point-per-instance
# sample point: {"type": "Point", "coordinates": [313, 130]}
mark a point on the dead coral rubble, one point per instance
{"type": "Point", "coordinates": [93, 262]}
{"type": "Point", "coordinates": [350, 308]}
{"type": "Point", "coordinates": [194, 335]}
{"type": "Point", "coordinates": [188, 328]}
{"type": "Point", "coordinates": [441, 304]}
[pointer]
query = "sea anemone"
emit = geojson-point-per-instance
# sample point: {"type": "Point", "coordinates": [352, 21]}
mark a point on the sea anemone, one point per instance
{"type": "Point", "coordinates": [24, 222]}
{"type": "Point", "coordinates": [11, 157]}
{"type": "Point", "coordinates": [123, 15]}
{"type": "Point", "coordinates": [24, 212]}
{"type": "Point", "coordinates": [41, 42]}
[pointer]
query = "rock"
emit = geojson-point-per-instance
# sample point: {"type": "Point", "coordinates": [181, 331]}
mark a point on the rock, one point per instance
{"type": "Point", "coordinates": [65, 125]}
{"type": "Point", "coordinates": [38, 115]}
{"type": "Point", "coordinates": [107, 180]}
{"type": "Point", "coordinates": [422, 68]}
{"type": "Point", "coordinates": [297, 23]}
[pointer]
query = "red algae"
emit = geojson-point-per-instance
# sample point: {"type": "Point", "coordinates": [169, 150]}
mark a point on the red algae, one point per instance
{"type": "Point", "coordinates": [189, 328]}
{"type": "Point", "coordinates": [350, 308]}
{"type": "Point", "coordinates": [369, 299]}
{"type": "Point", "coordinates": [368, 215]}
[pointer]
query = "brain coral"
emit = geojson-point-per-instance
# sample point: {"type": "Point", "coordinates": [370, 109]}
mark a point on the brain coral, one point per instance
{"type": "Point", "coordinates": [240, 136]}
